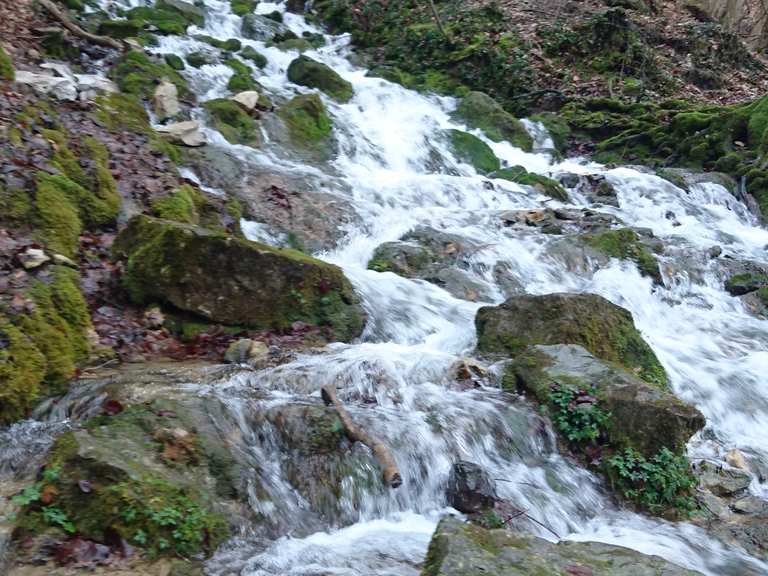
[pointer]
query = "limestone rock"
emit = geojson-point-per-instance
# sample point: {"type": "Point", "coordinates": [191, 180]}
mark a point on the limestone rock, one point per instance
{"type": "Point", "coordinates": [166, 100]}
{"type": "Point", "coordinates": [233, 281]}
{"type": "Point", "coordinates": [643, 417]}
{"type": "Point", "coordinates": [603, 328]}
{"type": "Point", "coordinates": [247, 351]}
{"type": "Point", "coordinates": [33, 258]}
{"type": "Point", "coordinates": [187, 133]}
{"type": "Point", "coordinates": [459, 549]}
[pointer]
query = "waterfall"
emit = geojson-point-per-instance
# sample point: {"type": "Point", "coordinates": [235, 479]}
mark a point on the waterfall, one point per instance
{"type": "Point", "coordinates": [397, 379]}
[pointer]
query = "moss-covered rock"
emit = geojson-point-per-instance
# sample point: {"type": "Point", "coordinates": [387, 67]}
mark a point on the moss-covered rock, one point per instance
{"type": "Point", "coordinates": [233, 281]}
{"type": "Point", "coordinates": [174, 61]}
{"type": "Point", "coordinates": [542, 184]}
{"type": "Point", "coordinates": [7, 71]}
{"type": "Point", "coordinates": [250, 53]}
{"type": "Point", "coordinates": [171, 17]}
{"type": "Point", "coordinates": [307, 72]}
{"type": "Point", "coordinates": [624, 243]}
{"type": "Point", "coordinates": [137, 73]}
{"type": "Point", "coordinates": [470, 149]}
{"type": "Point", "coordinates": [242, 80]}
{"type": "Point", "coordinates": [461, 549]}
{"type": "Point", "coordinates": [199, 59]}
{"type": "Point", "coordinates": [603, 328]}
{"type": "Point", "coordinates": [641, 416]}
{"type": "Point", "coordinates": [181, 205]}
{"type": "Point", "coordinates": [145, 477]}
{"type": "Point", "coordinates": [234, 123]}
{"type": "Point", "coordinates": [745, 283]}
{"type": "Point", "coordinates": [307, 119]}
{"type": "Point", "coordinates": [482, 112]}
{"type": "Point", "coordinates": [243, 7]}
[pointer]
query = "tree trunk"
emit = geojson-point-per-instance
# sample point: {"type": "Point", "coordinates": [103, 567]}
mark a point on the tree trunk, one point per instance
{"type": "Point", "coordinates": [76, 30]}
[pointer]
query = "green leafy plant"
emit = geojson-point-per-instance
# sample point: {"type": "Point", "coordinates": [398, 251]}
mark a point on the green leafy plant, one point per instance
{"type": "Point", "coordinates": [55, 516]}
{"type": "Point", "coordinates": [576, 412]}
{"type": "Point", "coordinates": [665, 481]}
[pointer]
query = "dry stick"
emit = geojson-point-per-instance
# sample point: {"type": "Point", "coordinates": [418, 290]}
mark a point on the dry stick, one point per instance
{"type": "Point", "coordinates": [390, 471]}
{"type": "Point", "coordinates": [439, 22]}
{"type": "Point", "coordinates": [76, 30]}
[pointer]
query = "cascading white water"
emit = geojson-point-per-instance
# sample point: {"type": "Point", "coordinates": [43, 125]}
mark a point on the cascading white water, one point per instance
{"type": "Point", "coordinates": [715, 353]}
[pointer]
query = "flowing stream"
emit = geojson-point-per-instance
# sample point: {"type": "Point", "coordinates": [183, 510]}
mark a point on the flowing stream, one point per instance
{"type": "Point", "coordinates": [397, 378]}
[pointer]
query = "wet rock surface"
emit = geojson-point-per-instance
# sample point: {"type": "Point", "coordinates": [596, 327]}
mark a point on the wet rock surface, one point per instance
{"type": "Point", "coordinates": [470, 488]}
{"type": "Point", "coordinates": [643, 417]}
{"type": "Point", "coordinates": [459, 549]}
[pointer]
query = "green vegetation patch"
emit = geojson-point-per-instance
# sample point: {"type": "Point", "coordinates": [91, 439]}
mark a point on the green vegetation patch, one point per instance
{"type": "Point", "coordinates": [307, 72]}
{"type": "Point", "coordinates": [470, 149]}
{"type": "Point", "coordinates": [542, 184]}
{"type": "Point", "coordinates": [136, 73]}
{"type": "Point", "coordinates": [307, 119]}
{"type": "Point", "coordinates": [7, 71]}
{"type": "Point", "coordinates": [624, 243]}
{"type": "Point", "coordinates": [234, 123]}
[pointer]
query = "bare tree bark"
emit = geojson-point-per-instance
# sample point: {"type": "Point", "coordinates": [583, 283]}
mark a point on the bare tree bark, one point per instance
{"type": "Point", "coordinates": [390, 471]}
{"type": "Point", "coordinates": [76, 30]}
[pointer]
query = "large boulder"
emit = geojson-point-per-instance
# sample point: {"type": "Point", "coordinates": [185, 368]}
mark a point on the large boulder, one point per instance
{"type": "Point", "coordinates": [234, 281]}
{"type": "Point", "coordinates": [470, 488]}
{"type": "Point", "coordinates": [459, 549]}
{"type": "Point", "coordinates": [308, 72]}
{"type": "Point", "coordinates": [603, 328]}
{"type": "Point", "coordinates": [478, 110]}
{"type": "Point", "coordinates": [642, 417]}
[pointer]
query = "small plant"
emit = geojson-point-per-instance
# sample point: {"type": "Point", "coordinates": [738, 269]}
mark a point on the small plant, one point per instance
{"type": "Point", "coordinates": [663, 482]}
{"type": "Point", "coordinates": [576, 412]}
{"type": "Point", "coordinates": [55, 516]}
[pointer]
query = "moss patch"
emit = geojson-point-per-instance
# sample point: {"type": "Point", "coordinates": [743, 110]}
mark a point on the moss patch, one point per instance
{"type": "Point", "coordinates": [234, 123]}
{"type": "Point", "coordinates": [306, 118]}
{"type": "Point", "coordinates": [624, 243]}
{"type": "Point", "coordinates": [59, 221]}
{"type": "Point", "coordinates": [470, 149]}
{"type": "Point", "coordinates": [542, 184]}
{"type": "Point", "coordinates": [7, 71]}
{"type": "Point", "coordinates": [22, 369]}
{"type": "Point", "coordinates": [242, 79]}
{"type": "Point", "coordinates": [307, 72]}
{"type": "Point", "coordinates": [482, 112]}
{"type": "Point", "coordinates": [136, 73]}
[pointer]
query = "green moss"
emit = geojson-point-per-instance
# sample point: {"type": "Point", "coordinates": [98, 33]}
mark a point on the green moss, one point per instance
{"type": "Point", "coordinates": [149, 511]}
{"type": "Point", "coordinates": [482, 112]}
{"type": "Point", "coordinates": [22, 369]}
{"type": "Point", "coordinates": [70, 304]}
{"type": "Point", "coordinates": [181, 205]}
{"type": "Point", "coordinates": [137, 74]}
{"type": "Point", "coordinates": [120, 28]}
{"type": "Point", "coordinates": [624, 243]}
{"type": "Point", "coordinates": [174, 61]}
{"type": "Point", "coordinates": [542, 184]}
{"type": "Point", "coordinates": [243, 7]}
{"type": "Point", "coordinates": [57, 214]}
{"type": "Point", "coordinates": [17, 207]}
{"type": "Point", "coordinates": [198, 59]}
{"type": "Point", "coordinates": [164, 18]}
{"type": "Point", "coordinates": [7, 71]}
{"type": "Point", "coordinates": [250, 53]}
{"type": "Point", "coordinates": [234, 123]}
{"type": "Point", "coordinates": [63, 157]}
{"type": "Point", "coordinates": [306, 118]}
{"type": "Point", "coordinates": [118, 112]}
{"type": "Point", "coordinates": [470, 149]}
{"type": "Point", "coordinates": [307, 72]}
{"type": "Point", "coordinates": [48, 331]}
{"type": "Point", "coordinates": [242, 79]}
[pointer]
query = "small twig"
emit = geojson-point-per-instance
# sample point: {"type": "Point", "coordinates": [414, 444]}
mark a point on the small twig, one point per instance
{"type": "Point", "coordinates": [439, 22]}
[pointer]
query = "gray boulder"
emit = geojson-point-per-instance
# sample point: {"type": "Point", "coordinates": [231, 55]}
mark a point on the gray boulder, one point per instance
{"type": "Point", "coordinates": [470, 488]}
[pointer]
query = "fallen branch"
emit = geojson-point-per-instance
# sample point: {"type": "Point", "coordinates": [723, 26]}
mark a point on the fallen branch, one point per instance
{"type": "Point", "coordinates": [390, 471]}
{"type": "Point", "coordinates": [76, 30]}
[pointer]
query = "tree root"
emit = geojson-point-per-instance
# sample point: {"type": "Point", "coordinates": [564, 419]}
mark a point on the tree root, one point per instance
{"type": "Point", "coordinates": [57, 13]}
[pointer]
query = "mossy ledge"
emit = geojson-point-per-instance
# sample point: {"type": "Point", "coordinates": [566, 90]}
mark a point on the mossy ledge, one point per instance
{"type": "Point", "coordinates": [44, 346]}
{"type": "Point", "coordinates": [603, 328]}
{"type": "Point", "coordinates": [233, 281]}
